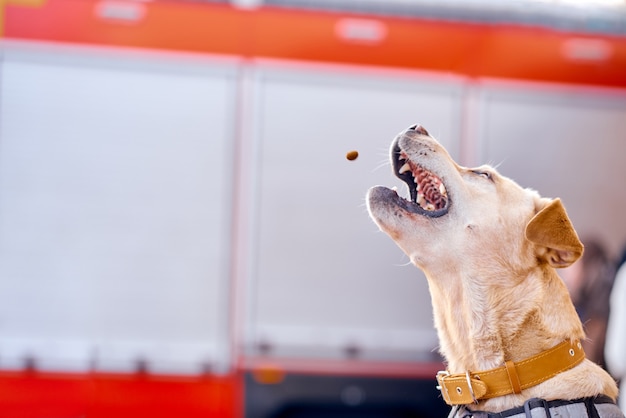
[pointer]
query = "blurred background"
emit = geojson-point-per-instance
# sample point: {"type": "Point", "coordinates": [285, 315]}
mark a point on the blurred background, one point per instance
{"type": "Point", "coordinates": [181, 233]}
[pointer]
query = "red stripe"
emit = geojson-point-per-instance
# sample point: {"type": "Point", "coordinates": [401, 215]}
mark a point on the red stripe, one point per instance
{"type": "Point", "coordinates": [30, 394]}
{"type": "Point", "coordinates": [462, 48]}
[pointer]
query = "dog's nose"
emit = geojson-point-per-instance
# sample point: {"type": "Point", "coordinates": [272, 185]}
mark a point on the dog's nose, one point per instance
{"type": "Point", "coordinates": [419, 129]}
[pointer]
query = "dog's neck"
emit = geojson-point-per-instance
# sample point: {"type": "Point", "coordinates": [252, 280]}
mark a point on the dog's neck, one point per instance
{"type": "Point", "coordinates": [484, 321]}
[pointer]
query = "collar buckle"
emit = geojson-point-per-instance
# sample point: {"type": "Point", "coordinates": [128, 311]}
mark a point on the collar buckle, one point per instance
{"type": "Point", "coordinates": [441, 375]}
{"type": "Point", "coordinates": [469, 384]}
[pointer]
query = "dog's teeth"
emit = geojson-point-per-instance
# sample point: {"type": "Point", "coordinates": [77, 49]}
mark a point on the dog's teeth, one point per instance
{"type": "Point", "coordinates": [420, 199]}
{"type": "Point", "coordinates": [442, 190]}
{"type": "Point", "coordinates": [394, 188]}
{"type": "Point", "coordinates": [430, 206]}
{"type": "Point", "coordinates": [406, 167]}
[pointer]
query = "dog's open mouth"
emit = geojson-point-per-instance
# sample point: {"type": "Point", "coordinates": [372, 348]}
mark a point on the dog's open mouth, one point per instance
{"type": "Point", "coordinates": [428, 194]}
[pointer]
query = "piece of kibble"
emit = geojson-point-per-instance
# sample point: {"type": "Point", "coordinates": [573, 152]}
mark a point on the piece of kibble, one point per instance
{"type": "Point", "coordinates": [352, 155]}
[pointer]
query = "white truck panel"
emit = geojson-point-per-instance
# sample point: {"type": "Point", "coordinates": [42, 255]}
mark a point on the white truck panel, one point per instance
{"type": "Point", "coordinates": [114, 210]}
{"type": "Point", "coordinates": [567, 143]}
{"type": "Point", "coordinates": [325, 281]}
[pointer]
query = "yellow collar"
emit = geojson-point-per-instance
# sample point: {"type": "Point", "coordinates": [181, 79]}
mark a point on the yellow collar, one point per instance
{"type": "Point", "coordinates": [463, 389]}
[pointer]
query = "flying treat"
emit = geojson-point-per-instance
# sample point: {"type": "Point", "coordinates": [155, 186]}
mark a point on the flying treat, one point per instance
{"type": "Point", "coordinates": [352, 155]}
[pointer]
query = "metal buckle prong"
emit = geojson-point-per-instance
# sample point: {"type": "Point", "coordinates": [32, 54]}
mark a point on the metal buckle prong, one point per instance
{"type": "Point", "coordinates": [469, 384]}
{"type": "Point", "coordinates": [440, 376]}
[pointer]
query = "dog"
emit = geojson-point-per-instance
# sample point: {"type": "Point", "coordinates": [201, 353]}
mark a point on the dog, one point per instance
{"type": "Point", "coordinates": [507, 328]}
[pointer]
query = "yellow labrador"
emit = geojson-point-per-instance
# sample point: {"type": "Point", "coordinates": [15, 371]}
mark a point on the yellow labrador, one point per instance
{"type": "Point", "coordinates": [489, 248]}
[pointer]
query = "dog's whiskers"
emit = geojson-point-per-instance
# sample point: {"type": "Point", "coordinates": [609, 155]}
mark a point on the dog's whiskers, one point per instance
{"type": "Point", "coordinates": [408, 263]}
{"type": "Point", "coordinates": [497, 165]}
{"type": "Point", "coordinates": [381, 165]}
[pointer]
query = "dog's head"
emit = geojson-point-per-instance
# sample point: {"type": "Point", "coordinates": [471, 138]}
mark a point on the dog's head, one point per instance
{"type": "Point", "coordinates": [475, 214]}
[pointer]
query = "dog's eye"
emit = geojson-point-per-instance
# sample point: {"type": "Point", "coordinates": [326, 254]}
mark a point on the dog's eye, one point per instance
{"type": "Point", "coordinates": [481, 173]}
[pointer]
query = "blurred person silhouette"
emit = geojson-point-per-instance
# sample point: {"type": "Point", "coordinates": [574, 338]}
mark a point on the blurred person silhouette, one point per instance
{"type": "Point", "coordinates": [615, 350]}
{"type": "Point", "coordinates": [590, 281]}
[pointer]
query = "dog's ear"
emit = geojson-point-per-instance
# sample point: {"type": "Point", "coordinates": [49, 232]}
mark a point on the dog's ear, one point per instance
{"type": "Point", "coordinates": [552, 231]}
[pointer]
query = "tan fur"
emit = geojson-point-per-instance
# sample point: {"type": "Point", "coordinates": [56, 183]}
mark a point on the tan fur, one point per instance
{"type": "Point", "coordinates": [490, 264]}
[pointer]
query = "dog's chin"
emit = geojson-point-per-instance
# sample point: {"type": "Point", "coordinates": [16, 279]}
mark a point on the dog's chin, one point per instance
{"type": "Point", "coordinates": [383, 199]}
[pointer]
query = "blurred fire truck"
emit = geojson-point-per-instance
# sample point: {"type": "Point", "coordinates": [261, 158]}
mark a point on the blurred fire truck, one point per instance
{"type": "Point", "coordinates": [181, 234]}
